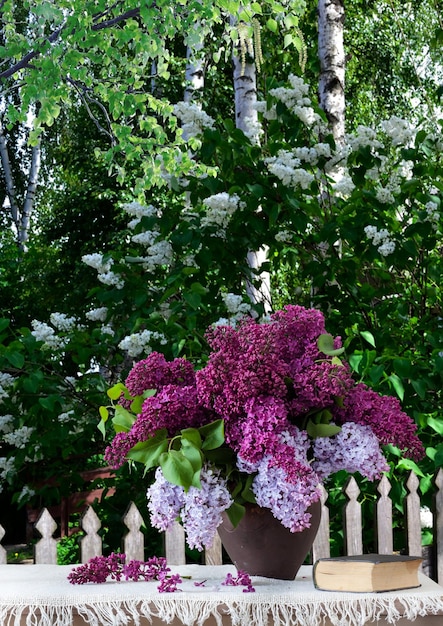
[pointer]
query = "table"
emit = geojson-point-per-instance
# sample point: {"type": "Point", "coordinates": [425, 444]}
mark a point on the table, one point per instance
{"type": "Point", "coordinates": [40, 595]}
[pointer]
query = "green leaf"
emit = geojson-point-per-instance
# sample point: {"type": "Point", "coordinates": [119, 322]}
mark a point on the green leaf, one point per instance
{"type": "Point", "coordinates": [192, 435]}
{"type": "Point", "coordinates": [177, 469]}
{"type": "Point", "coordinates": [272, 25]}
{"type": "Point", "coordinates": [213, 435]}
{"type": "Point", "coordinates": [325, 343]}
{"type": "Point", "coordinates": [193, 454]}
{"type": "Point", "coordinates": [4, 323]}
{"type": "Point", "coordinates": [397, 385]}
{"type": "Point", "coordinates": [116, 391]}
{"type": "Point", "coordinates": [123, 419]}
{"type": "Point", "coordinates": [136, 405]}
{"type": "Point", "coordinates": [409, 464]}
{"type": "Point", "coordinates": [235, 513]}
{"type": "Point", "coordinates": [420, 387]}
{"type": "Point", "coordinates": [16, 359]}
{"type": "Point", "coordinates": [436, 425]}
{"type": "Point", "coordinates": [368, 336]}
{"type": "Point", "coordinates": [149, 452]}
{"type": "Point", "coordinates": [322, 430]}
{"type": "Point", "coordinates": [104, 413]}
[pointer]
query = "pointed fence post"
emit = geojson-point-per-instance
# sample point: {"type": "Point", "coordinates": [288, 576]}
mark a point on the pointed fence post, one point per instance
{"type": "Point", "coordinates": [175, 545]}
{"type": "Point", "coordinates": [413, 524]}
{"type": "Point", "coordinates": [91, 544]}
{"type": "Point", "coordinates": [385, 541]}
{"type": "Point", "coordinates": [133, 541]}
{"type": "Point", "coordinates": [353, 521]}
{"type": "Point", "coordinates": [45, 550]}
{"type": "Point", "coordinates": [321, 548]}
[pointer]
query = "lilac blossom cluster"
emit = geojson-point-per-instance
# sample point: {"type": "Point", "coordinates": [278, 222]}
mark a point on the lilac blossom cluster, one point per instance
{"type": "Point", "coordinates": [99, 569]}
{"type": "Point", "coordinates": [242, 579]}
{"type": "Point", "coordinates": [272, 383]}
{"type": "Point", "coordinates": [200, 509]}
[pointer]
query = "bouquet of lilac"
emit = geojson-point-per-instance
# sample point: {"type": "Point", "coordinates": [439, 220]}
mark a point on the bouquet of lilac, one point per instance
{"type": "Point", "coordinates": [273, 413]}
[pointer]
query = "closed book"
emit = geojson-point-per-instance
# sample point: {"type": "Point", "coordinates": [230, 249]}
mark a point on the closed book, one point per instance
{"type": "Point", "coordinates": [367, 572]}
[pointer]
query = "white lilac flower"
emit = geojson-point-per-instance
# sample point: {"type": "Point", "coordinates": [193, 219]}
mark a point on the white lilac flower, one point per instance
{"type": "Point", "coordinates": [384, 195]}
{"type": "Point", "coordinates": [19, 437]}
{"type": "Point", "coordinates": [286, 167]}
{"type": "Point", "coordinates": [219, 210]}
{"type": "Point", "coordinates": [45, 333]}
{"type": "Point", "coordinates": [63, 418]}
{"type": "Point", "coordinates": [97, 315]}
{"type": "Point", "coordinates": [146, 238]}
{"type": "Point", "coordinates": [232, 302]}
{"type": "Point", "coordinates": [6, 382]}
{"type": "Point", "coordinates": [284, 236]}
{"type": "Point", "coordinates": [432, 215]}
{"type": "Point", "coordinates": [252, 129]}
{"type": "Point", "coordinates": [386, 248]}
{"type": "Point", "coordinates": [138, 210]}
{"type": "Point", "coordinates": [111, 279]}
{"type": "Point", "coordinates": [363, 137]}
{"type": "Point", "coordinates": [25, 495]}
{"type": "Point", "coordinates": [96, 261]}
{"type": "Point", "coordinates": [344, 186]}
{"type": "Point", "coordinates": [107, 329]}
{"type": "Point", "coordinates": [400, 131]}
{"type": "Point", "coordinates": [7, 467]}
{"type": "Point", "coordinates": [6, 423]}
{"type": "Point", "coordinates": [159, 254]}
{"type": "Point", "coordinates": [370, 231]}
{"type": "Point", "coordinates": [426, 517]}
{"type": "Point", "coordinates": [201, 513]}
{"type": "Point", "coordinates": [355, 449]}
{"type": "Point", "coordinates": [137, 343]}
{"type": "Point", "coordinates": [194, 120]}
{"type": "Point", "coordinates": [62, 322]}
{"type": "Point", "coordinates": [381, 239]}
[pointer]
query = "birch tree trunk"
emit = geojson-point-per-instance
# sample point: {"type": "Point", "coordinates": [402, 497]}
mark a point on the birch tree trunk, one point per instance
{"type": "Point", "coordinates": [21, 217]}
{"type": "Point", "coordinates": [331, 15]}
{"type": "Point", "coordinates": [246, 118]}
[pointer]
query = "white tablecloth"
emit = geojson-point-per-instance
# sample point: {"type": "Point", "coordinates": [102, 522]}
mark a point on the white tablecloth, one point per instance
{"type": "Point", "coordinates": [40, 595]}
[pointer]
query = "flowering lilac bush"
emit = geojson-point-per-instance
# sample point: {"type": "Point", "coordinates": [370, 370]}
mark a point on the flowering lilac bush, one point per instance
{"type": "Point", "coordinates": [272, 414]}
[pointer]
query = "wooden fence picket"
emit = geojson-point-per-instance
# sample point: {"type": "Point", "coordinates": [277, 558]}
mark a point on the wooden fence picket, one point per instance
{"type": "Point", "coordinates": [133, 540]}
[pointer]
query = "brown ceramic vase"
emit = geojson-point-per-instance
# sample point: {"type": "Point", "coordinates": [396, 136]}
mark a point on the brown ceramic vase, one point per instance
{"type": "Point", "coordinates": [262, 546]}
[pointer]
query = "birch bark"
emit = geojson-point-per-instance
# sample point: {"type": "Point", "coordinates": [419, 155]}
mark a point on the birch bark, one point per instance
{"type": "Point", "coordinates": [246, 118]}
{"type": "Point", "coordinates": [331, 15]}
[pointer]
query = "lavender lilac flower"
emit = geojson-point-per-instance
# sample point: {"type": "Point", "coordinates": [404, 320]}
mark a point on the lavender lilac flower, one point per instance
{"type": "Point", "coordinates": [200, 509]}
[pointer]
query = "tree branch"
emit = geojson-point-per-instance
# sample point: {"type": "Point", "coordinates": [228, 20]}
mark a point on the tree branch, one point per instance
{"type": "Point", "coordinates": [96, 26]}
{"type": "Point", "coordinates": [86, 98]}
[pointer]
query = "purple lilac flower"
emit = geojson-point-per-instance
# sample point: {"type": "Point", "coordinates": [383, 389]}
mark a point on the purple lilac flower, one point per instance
{"type": "Point", "coordinates": [174, 408]}
{"type": "Point", "coordinates": [115, 453]}
{"type": "Point", "coordinates": [98, 569]}
{"type": "Point", "coordinates": [152, 569]}
{"type": "Point", "coordinates": [384, 415]}
{"type": "Point", "coordinates": [155, 372]}
{"type": "Point", "coordinates": [355, 449]}
{"type": "Point", "coordinates": [168, 584]}
{"type": "Point", "coordinates": [165, 501]}
{"type": "Point", "coordinates": [242, 579]}
{"type": "Point", "coordinates": [201, 513]}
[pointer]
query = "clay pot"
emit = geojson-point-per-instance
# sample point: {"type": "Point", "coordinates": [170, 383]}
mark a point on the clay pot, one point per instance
{"type": "Point", "coordinates": [262, 546]}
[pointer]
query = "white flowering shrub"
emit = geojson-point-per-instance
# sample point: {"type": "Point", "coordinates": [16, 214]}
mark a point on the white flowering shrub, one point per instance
{"type": "Point", "coordinates": [353, 229]}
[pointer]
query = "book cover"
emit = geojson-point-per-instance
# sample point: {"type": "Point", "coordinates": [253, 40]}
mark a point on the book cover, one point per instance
{"type": "Point", "coordinates": [367, 573]}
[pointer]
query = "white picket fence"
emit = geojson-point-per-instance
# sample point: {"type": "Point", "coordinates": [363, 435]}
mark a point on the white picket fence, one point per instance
{"type": "Point", "coordinates": [133, 539]}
